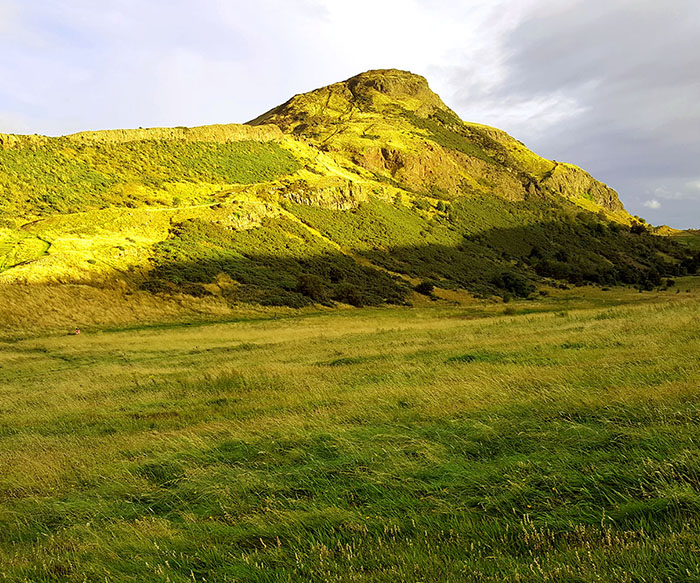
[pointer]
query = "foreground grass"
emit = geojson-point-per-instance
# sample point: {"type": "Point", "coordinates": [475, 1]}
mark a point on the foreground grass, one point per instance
{"type": "Point", "coordinates": [384, 445]}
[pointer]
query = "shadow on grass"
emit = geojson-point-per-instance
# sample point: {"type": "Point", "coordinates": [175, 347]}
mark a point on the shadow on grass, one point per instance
{"type": "Point", "coordinates": [284, 263]}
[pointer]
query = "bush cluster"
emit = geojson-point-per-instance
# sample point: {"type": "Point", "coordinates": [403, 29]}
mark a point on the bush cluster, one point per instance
{"type": "Point", "coordinates": [491, 246]}
{"type": "Point", "coordinates": [279, 263]}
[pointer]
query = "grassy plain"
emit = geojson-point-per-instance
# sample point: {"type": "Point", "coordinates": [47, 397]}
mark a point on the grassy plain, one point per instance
{"type": "Point", "coordinates": [554, 440]}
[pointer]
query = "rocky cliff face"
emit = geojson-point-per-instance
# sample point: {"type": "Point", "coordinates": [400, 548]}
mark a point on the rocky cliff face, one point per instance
{"type": "Point", "coordinates": [573, 182]}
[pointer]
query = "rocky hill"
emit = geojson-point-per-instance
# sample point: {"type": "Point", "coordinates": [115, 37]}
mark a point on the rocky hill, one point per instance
{"type": "Point", "coordinates": [355, 193]}
{"type": "Point", "coordinates": [391, 124]}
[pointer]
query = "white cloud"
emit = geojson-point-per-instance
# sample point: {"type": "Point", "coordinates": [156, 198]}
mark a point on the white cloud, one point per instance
{"type": "Point", "coordinates": [532, 116]}
{"type": "Point", "coordinates": [680, 191]}
{"type": "Point", "coordinates": [127, 63]}
{"type": "Point", "coordinates": [652, 204]}
{"type": "Point", "coordinates": [123, 62]}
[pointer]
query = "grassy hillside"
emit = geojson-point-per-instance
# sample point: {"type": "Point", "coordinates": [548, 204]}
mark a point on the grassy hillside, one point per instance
{"type": "Point", "coordinates": [691, 238]}
{"type": "Point", "coordinates": [353, 194]}
{"type": "Point", "coordinates": [471, 242]}
{"type": "Point", "coordinates": [63, 176]}
{"type": "Point", "coordinates": [429, 444]}
{"type": "Point", "coordinates": [279, 263]}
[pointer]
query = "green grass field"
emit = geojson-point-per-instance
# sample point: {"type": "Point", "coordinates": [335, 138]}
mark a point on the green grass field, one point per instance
{"type": "Point", "coordinates": [394, 444]}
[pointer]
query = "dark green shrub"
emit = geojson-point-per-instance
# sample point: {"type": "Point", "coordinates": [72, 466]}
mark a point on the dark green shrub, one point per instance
{"type": "Point", "coordinates": [349, 294]}
{"type": "Point", "coordinates": [425, 287]}
{"type": "Point", "coordinates": [639, 229]}
{"type": "Point", "coordinates": [514, 283]}
{"type": "Point", "coordinates": [312, 286]}
{"type": "Point", "coordinates": [421, 204]}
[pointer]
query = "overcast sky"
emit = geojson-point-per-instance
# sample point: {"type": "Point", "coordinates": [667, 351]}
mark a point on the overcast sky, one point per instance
{"type": "Point", "coordinates": [610, 85]}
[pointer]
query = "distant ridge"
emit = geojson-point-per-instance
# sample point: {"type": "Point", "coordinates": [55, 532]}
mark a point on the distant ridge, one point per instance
{"type": "Point", "coordinates": [221, 133]}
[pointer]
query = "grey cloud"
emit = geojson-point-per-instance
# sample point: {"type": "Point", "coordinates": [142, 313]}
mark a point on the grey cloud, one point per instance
{"type": "Point", "coordinates": [633, 68]}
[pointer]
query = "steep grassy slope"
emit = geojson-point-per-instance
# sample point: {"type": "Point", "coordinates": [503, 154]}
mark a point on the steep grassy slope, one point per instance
{"type": "Point", "coordinates": [353, 194]}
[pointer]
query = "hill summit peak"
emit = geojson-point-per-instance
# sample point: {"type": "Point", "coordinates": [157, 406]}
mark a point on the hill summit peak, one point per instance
{"type": "Point", "coordinates": [391, 82]}
{"type": "Point", "coordinates": [388, 122]}
{"type": "Point", "coordinates": [371, 92]}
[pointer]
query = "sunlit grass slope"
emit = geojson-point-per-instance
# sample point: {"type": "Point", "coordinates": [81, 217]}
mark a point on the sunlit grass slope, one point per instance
{"type": "Point", "coordinates": [691, 238]}
{"type": "Point", "coordinates": [376, 445]}
{"type": "Point", "coordinates": [63, 175]}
